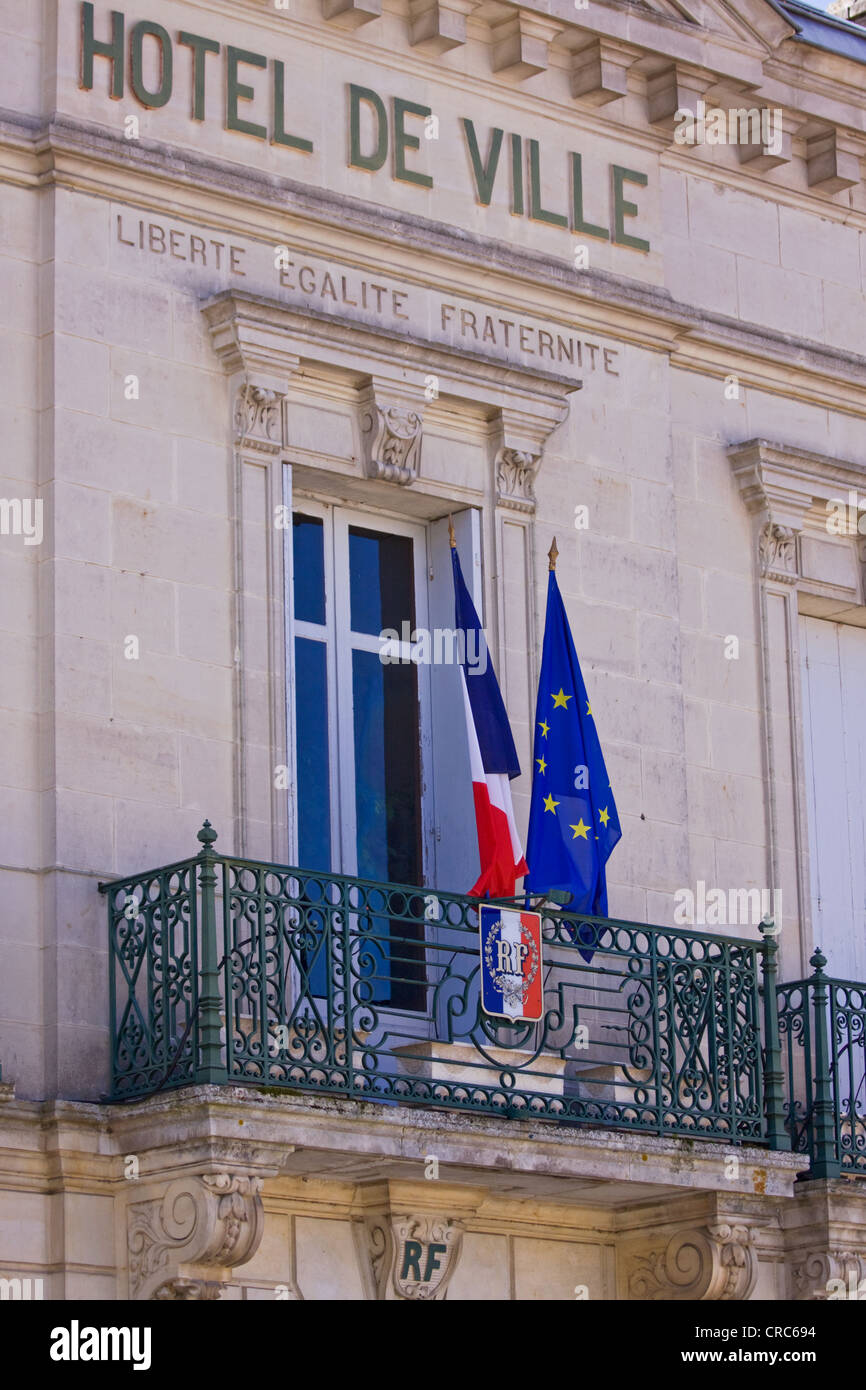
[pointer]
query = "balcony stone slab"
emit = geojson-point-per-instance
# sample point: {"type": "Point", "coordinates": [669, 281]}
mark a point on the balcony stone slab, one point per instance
{"type": "Point", "coordinates": [242, 1193]}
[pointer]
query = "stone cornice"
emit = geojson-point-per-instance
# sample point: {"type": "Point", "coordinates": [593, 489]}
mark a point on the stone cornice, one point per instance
{"type": "Point", "coordinates": [252, 332]}
{"type": "Point", "coordinates": [220, 193]}
{"type": "Point", "coordinates": [782, 483]}
{"type": "Point", "coordinates": [758, 28]}
{"type": "Point", "coordinates": [70, 153]}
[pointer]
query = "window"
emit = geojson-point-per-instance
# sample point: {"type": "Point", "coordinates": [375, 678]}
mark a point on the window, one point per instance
{"type": "Point", "coordinates": [360, 724]}
{"type": "Point", "coordinates": [381, 764]}
{"type": "Point", "coordinates": [358, 721]}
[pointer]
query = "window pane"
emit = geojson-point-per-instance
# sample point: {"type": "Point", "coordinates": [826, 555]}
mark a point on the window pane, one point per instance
{"type": "Point", "coordinates": [308, 533]}
{"type": "Point", "coordinates": [311, 736]}
{"type": "Point", "coordinates": [381, 582]}
{"type": "Point", "coordinates": [388, 811]}
{"type": "Point", "coordinates": [386, 769]}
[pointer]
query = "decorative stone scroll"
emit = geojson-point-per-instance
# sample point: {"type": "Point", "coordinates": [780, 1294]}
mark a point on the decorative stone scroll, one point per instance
{"type": "Point", "coordinates": [184, 1243]}
{"type": "Point", "coordinates": [715, 1262]}
{"type": "Point", "coordinates": [821, 1274]}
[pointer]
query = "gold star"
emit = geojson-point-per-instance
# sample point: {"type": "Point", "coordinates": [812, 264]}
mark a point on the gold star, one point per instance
{"type": "Point", "coordinates": [561, 700]}
{"type": "Point", "coordinates": [580, 829]}
{"type": "Point", "coordinates": [545, 728]}
{"type": "Point", "coordinates": [550, 804]}
{"type": "Point", "coordinates": [542, 765]}
{"type": "Point", "coordinates": [604, 816]}
{"type": "Point", "coordinates": [588, 707]}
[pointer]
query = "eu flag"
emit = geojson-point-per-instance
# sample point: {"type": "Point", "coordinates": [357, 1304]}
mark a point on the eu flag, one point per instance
{"type": "Point", "coordinates": [573, 821]}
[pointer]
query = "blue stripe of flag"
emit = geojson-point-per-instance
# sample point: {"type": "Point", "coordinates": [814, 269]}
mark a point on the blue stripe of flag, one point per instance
{"type": "Point", "coordinates": [495, 740]}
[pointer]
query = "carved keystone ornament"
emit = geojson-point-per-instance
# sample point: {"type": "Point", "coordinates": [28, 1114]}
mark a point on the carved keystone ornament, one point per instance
{"type": "Point", "coordinates": [392, 433]}
{"type": "Point", "coordinates": [406, 1256]}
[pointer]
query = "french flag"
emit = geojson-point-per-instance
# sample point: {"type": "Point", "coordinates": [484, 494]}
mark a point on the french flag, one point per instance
{"type": "Point", "coordinates": [492, 755]}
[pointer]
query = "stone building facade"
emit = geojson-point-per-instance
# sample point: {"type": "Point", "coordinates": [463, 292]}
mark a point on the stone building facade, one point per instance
{"type": "Point", "coordinates": [595, 272]}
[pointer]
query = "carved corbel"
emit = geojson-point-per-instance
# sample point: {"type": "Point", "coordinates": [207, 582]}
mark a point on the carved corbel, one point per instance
{"type": "Point", "coordinates": [777, 553]}
{"type": "Point", "coordinates": [819, 1275]}
{"type": "Point", "coordinates": [519, 440]}
{"type": "Point", "coordinates": [259, 367]}
{"type": "Point", "coordinates": [350, 14]}
{"type": "Point", "coordinates": [830, 167]}
{"type": "Point", "coordinates": [521, 44]}
{"type": "Point", "coordinates": [436, 26]}
{"type": "Point", "coordinates": [715, 1262]}
{"type": "Point", "coordinates": [771, 147]}
{"type": "Point", "coordinates": [674, 89]}
{"type": "Point", "coordinates": [258, 417]}
{"type": "Point", "coordinates": [391, 432]}
{"type": "Point", "coordinates": [516, 470]}
{"type": "Point", "coordinates": [778, 492]}
{"type": "Point", "coordinates": [184, 1244]}
{"type": "Point", "coordinates": [599, 73]}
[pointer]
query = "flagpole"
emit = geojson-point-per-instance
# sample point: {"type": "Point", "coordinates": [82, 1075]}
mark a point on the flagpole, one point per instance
{"type": "Point", "coordinates": [552, 556]}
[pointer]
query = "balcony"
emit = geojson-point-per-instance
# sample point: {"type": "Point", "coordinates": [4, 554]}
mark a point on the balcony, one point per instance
{"type": "Point", "coordinates": [237, 972]}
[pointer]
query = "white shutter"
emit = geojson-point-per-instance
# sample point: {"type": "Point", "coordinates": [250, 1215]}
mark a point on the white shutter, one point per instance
{"type": "Point", "coordinates": [834, 722]}
{"type": "Point", "coordinates": [456, 864]}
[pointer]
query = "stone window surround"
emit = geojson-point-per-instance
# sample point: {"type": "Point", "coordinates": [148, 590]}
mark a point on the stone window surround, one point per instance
{"type": "Point", "coordinates": [801, 568]}
{"type": "Point", "coordinates": [269, 351]}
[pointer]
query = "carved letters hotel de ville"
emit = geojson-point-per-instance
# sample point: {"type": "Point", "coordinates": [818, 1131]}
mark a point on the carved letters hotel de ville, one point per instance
{"type": "Point", "coordinates": [311, 311]}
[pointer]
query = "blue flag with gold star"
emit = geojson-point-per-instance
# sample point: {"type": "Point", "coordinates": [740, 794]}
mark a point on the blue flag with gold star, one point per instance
{"type": "Point", "coordinates": [573, 821]}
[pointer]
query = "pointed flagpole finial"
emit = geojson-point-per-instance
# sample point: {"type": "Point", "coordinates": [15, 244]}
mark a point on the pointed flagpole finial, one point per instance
{"type": "Point", "coordinates": [451, 537]}
{"type": "Point", "coordinates": [552, 554]}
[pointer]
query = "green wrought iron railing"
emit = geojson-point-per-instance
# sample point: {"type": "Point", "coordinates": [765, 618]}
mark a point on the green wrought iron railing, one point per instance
{"type": "Point", "coordinates": [822, 1024]}
{"type": "Point", "coordinates": [234, 971]}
